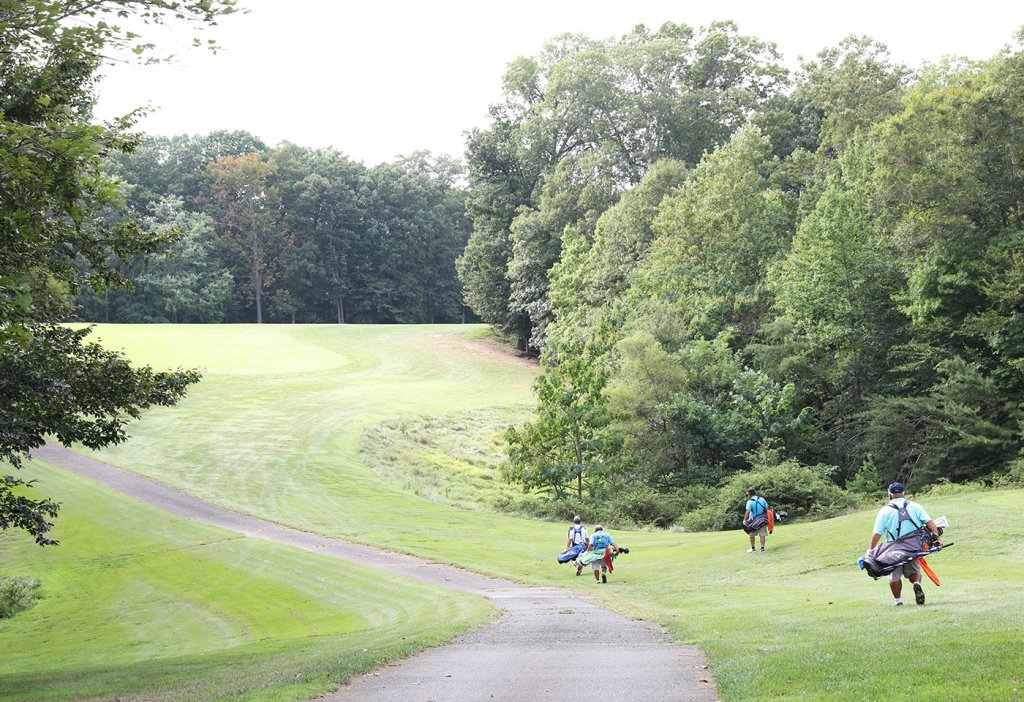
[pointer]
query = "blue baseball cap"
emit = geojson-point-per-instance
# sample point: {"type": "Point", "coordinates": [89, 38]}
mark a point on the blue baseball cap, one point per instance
{"type": "Point", "coordinates": [895, 488]}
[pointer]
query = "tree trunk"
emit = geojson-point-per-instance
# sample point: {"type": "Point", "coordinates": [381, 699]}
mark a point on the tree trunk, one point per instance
{"type": "Point", "coordinates": [576, 443]}
{"type": "Point", "coordinates": [259, 302]}
{"type": "Point", "coordinates": [257, 278]}
{"type": "Point", "coordinates": [341, 310]}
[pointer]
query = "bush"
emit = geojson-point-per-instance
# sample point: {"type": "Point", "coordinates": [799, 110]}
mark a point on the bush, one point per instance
{"type": "Point", "coordinates": [790, 487]}
{"type": "Point", "coordinates": [642, 507]}
{"type": "Point", "coordinates": [1013, 477]}
{"type": "Point", "coordinates": [536, 506]}
{"type": "Point", "coordinates": [944, 488]}
{"type": "Point", "coordinates": [17, 594]}
{"type": "Point", "coordinates": [706, 518]}
{"type": "Point", "coordinates": [693, 497]}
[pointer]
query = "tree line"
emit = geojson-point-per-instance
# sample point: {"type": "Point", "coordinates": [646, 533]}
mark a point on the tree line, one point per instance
{"type": "Point", "coordinates": [810, 281]}
{"type": "Point", "coordinates": [284, 234]}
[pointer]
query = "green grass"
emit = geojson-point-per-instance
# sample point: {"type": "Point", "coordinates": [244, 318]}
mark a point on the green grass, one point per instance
{"type": "Point", "coordinates": [801, 622]}
{"type": "Point", "coordinates": [275, 429]}
{"type": "Point", "coordinates": [454, 460]}
{"type": "Point", "coordinates": [137, 604]}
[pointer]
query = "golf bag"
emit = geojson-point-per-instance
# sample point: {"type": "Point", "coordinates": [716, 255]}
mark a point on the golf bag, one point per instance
{"type": "Point", "coordinates": [755, 523]}
{"type": "Point", "coordinates": [607, 555]}
{"type": "Point", "coordinates": [571, 553]}
{"type": "Point", "coordinates": [890, 555]}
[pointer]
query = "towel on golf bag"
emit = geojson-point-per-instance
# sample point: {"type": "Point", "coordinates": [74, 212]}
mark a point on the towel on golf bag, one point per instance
{"type": "Point", "coordinates": [597, 554]}
{"type": "Point", "coordinates": [571, 553]}
{"type": "Point", "coordinates": [890, 555]}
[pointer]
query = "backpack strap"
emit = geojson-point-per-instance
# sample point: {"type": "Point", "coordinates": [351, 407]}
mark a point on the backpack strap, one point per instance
{"type": "Point", "coordinates": [902, 516]}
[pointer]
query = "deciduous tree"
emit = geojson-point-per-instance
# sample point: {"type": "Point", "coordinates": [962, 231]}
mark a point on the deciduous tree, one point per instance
{"type": "Point", "coordinates": [53, 198]}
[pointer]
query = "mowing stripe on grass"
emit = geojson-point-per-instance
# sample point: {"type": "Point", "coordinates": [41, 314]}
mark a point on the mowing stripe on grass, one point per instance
{"type": "Point", "coordinates": [649, 667]}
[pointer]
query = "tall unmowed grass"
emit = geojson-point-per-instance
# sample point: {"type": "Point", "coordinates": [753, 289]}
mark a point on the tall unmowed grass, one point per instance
{"type": "Point", "coordinates": [17, 593]}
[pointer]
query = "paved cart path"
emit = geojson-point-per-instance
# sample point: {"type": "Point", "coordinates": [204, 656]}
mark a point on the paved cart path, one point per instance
{"type": "Point", "coordinates": [541, 649]}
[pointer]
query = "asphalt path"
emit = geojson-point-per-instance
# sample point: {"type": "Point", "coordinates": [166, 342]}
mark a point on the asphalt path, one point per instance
{"type": "Point", "coordinates": [547, 645]}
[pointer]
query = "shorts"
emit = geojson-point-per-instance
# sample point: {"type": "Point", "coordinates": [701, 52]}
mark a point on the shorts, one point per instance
{"type": "Point", "coordinates": [763, 531]}
{"type": "Point", "coordinates": [907, 569]}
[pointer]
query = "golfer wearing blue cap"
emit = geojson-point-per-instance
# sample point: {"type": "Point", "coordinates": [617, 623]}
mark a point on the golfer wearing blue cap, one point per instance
{"type": "Point", "coordinates": [899, 518]}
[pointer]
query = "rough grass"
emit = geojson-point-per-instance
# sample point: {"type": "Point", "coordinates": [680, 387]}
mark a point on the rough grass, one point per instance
{"type": "Point", "coordinates": [17, 594]}
{"type": "Point", "coordinates": [456, 460]}
{"type": "Point", "coordinates": [275, 430]}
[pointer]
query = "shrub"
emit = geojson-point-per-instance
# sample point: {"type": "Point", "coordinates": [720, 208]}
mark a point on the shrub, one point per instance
{"type": "Point", "coordinates": [867, 480]}
{"type": "Point", "coordinates": [642, 507]}
{"type": "Point", "coordinates": [944, 488]}
{"type": "Point", "coordinates": [694, 497]}
{"type": "Point", "coordinates": [706, 518]}
{"type": "Point", "coordinates": [1013, 477]}
{"type": "Point", "coordinates": [537, 506]}
{"type": "Point", "coordinates": [17, 594]}
{"type": "Point", "coordinates": [790, 487]}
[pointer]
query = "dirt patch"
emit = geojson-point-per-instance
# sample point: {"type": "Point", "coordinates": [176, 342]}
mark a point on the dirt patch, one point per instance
{"type": "Point", "coordinates": [482, 350]}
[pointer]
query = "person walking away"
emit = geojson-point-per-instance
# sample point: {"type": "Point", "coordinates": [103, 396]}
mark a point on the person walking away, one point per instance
{"type": "Point", "coordinates": [577, 536]}
{"type": "Point", "coordinates": [756, 506]}
{"type": "Point", "coordinates": [899, 518]}
{"type": "Point", "coordinates": [600, 542]}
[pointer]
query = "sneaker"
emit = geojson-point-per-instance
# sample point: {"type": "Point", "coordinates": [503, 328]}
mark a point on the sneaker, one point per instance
{"type": "Point", "coordinates": [750, 550]}
{"type": "Point", "coordinates": [918, 594]}
{"type": "Point", "coordinates": [899, 603]}
{"type": "Point", "coordinates": [604, 579]}
{"type": "Point", "coordinates": [762, 548]}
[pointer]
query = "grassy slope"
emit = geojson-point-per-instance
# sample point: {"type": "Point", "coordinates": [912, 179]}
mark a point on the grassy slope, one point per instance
{"type": "Point", "coordinates": [799, 622]}
{"type": "Point", "coordinates": [140, 605]}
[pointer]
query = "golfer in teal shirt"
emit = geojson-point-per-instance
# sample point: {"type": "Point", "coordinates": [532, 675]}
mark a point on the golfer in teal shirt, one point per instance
{"type": "Point", "coordinates": [889, 525]}
{"type": "Point", "coordinates": [601, 540]}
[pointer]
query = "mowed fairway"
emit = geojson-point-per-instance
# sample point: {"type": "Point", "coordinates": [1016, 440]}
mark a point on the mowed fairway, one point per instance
{"type": "Point", "coordinates": [141, 605]}
{"type": "Point", "coordinates": [274, 428]}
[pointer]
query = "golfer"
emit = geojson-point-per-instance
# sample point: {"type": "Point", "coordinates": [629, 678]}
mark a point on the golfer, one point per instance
{"type": "Point", "coordinates": [577, 533]}
{"type": "Point", "coordinates": [756, 506]}
{"type": "Point", "coordinates": [899, 518]}
{"type": "Point", "coordinates": [577, 536]}
{"type": "Point", "coordinates": [600, 542]}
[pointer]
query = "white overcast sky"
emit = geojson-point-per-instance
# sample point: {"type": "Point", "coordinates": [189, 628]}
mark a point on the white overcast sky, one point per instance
{"type": "Point", "coordinates": [381, 78]}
